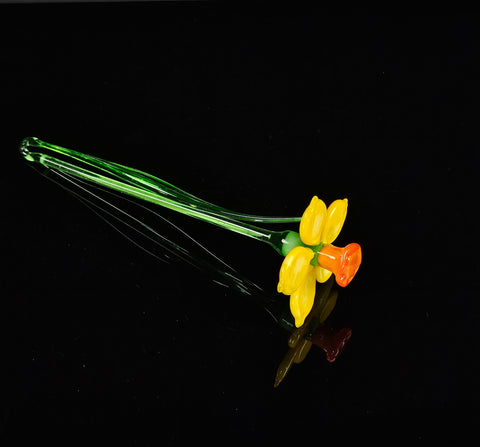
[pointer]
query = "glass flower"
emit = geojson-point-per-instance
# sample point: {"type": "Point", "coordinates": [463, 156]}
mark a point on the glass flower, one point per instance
{"type": "Point", "coordinates": [315, 258]}
{"type": "Point", "coordinates": [309, 255]}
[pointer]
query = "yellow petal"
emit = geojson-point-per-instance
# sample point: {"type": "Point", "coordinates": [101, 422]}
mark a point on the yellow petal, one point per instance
{"type": "Point", "coordinates": [294, 270]}
{"type": "Point", "coordinates": [336, 214]}
{"type": "Point", "coordinates": [313, 221]}
{"type": "Point", "coordinates": [301, 301]}
{"type": "Point", "coordinates": [322, 274]}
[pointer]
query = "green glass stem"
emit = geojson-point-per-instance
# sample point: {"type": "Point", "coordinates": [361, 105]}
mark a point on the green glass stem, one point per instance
{"type": "Point", "coordinates": [146, 187]}
{"type": "Point", "coordinates": [144, 180]}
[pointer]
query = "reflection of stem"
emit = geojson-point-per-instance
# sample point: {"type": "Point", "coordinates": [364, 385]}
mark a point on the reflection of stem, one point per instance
{"type": "Point", "coordinates": [143, 186]}
{"type": "Point", "coordinates": [145, 233]}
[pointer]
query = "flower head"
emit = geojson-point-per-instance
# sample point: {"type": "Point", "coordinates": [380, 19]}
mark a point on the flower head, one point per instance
{"type": "Point", "coordinates": [315, 259]}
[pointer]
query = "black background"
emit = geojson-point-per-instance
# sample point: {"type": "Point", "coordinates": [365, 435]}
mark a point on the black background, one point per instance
{"type": "Point", "coordinates": [258, 111]}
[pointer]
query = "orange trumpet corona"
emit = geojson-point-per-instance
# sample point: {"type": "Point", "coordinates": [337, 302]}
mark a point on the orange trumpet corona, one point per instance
{"type": "Point", "coordinates": [343, 262]}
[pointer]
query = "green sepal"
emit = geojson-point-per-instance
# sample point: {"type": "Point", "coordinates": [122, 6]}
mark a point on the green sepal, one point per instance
{"type": "Point", "coordinates": [316, 249]}
{"type": "Point", "coordinates": [291, 240]}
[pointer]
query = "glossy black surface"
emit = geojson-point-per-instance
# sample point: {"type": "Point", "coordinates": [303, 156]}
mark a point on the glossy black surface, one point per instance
{"type": "Point", "coordinates": [257, 111]}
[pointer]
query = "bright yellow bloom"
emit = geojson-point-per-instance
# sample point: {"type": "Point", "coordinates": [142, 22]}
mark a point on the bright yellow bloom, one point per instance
{"type": "Point", "coordinates": [317, 259]}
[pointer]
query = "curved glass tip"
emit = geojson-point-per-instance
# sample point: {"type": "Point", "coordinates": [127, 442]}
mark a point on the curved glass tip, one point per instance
{"type": "Point", "coordinates": [26, 142]}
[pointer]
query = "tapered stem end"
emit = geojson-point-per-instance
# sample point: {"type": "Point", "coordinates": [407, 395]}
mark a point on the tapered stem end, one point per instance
{"type": "Point", "coordinates": [24, 148]}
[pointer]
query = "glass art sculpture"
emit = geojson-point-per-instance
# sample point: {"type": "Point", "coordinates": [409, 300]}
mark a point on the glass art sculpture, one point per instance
{"type": "Point", "coordinates": [310, 257]}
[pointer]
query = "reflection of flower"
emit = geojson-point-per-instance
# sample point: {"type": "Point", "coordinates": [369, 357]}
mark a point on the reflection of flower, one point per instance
{"type": "Point", "coordinates": [314, 258]}
{"type": "Point", "coordinates": [331, 340]}
{"type": "Point", "coordinates": [315, 332]}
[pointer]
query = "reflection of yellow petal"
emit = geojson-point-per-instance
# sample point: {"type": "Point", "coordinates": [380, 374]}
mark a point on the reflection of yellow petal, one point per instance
{"type": "Point", "coordinates": [301, 301]}
{"type": "Point", "coordinates": [294, 270]}
{"type": "Point", "coordinates": [313, 221]}
{"type": "Point", "coordinates": [322, 274]}
{"type": "Point", "coordinates": [336, 214]}
{"type": "Point", "coordinates": [328, 307]}
{"type": "Point", "coordinates": [302, 350]}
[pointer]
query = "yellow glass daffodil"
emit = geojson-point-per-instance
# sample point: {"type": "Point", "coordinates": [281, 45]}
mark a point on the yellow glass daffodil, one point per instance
{"type": "Point", "coordinates": [315, 258]}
